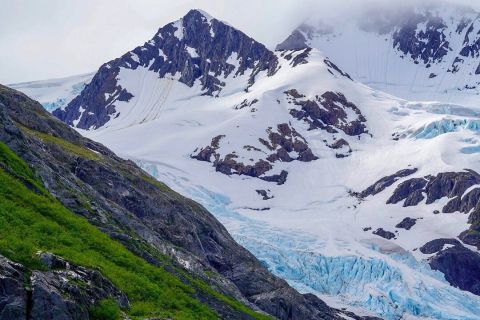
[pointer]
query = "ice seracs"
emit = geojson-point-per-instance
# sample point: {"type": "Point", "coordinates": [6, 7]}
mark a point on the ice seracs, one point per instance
{"type": "Point", "coordinates": [303, 163]}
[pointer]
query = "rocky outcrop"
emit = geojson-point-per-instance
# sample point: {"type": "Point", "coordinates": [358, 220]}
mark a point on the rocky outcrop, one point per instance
{"type": "Point", "coordinates": [428, 45]}
{"type": "Point", "coordinates": [459, 187]}
{"type": "Point", "coordinates": [407, 223]}
{"type": "Point", "coordinates": [384, 233]}
{"type": "Point", "coordinates": [147, 217]}
{"type": "Point", "coordinates": [446, 184]}
{"type": "Point", "coordinates": [385, 182]}
{"type": "Point", "coordinates": [13, 295]}
{"type": "Point", "coordinates": [297, 57]}
{"type": "Point", "coordinates": [461, 266]}
{"type": "Point", "coordinates": [63, 291]}
{"type": "Point", "coordinates": [328, 112]}
{"type": "Point", "coordinates": [437, 245]}
{"type": "Point", "coordinates": [332, 66]}
{"type": "Point", "coordinates": [196, 48]}
{"type": "Point", "coordinates": [284, 144]}
{"type": "Point", "coordinates": [265, 194]}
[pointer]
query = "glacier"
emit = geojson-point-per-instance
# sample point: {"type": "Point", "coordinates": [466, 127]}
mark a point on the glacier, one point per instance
{"type": "Point", "coordinates": [443, 126]}
{"type": "Point", "coordinates": [389, 282]}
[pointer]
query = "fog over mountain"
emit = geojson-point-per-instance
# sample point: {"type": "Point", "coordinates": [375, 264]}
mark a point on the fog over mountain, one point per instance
{"type": "Point", "coordinates": [55, 38]}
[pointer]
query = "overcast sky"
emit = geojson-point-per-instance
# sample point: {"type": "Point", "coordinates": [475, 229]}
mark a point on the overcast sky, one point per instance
{"type": "Point", "coordinates": [42, 39]}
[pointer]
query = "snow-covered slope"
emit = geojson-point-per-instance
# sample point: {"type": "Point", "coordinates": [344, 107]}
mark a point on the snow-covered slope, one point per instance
{"type": "Point", "coordinates": [422, 52]}
{"type": "Point", "coordinates": [54, 93]}
{"type": "Point", "coordinates": [333, 185]}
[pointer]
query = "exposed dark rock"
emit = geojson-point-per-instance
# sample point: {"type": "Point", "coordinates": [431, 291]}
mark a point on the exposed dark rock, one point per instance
{"type": "Point", "coordinates": [214, 43]}
{"type": "Point", "coordinates": [406, 223]}
{"type": "Point", "coordinates": [299, 37]}
{"type": "Point", "coordinates": [285, 144]}
{"type": "Point", "coordinates": [461, 267]}
{"type": "Point", "coordinates": [384, 234]}
{"type": "Point", "coordinates": [463, 204]}
{"type": "Point", "coordinates": [245, 103]}
{"type": "Point", "coordinates": [450, 184]}
{"type": "Point", "coordinates": [265, 194]}
{"type": "Point", "coordinates": [119, 198]}
{"type": "Point", "coordinates": [333, 66]}
{"type": "Point", "coordinates": [386, 182]}
{"type": "Point", "coordinates": [297, 57]}
{"type": "Point", "coordinates": [278, 178]}
{"type": "Point", "coordinates": [65, 291]}
{"type": "Point", "coordinates": [13, 295]}
{"type": "Point", "coordinates": [436, 245]}
{"type": "Point", "coordinates": [470, 237]}
{"type": "Point", "coordinates": [410, 191]}
{"type": "Point", "coordinates": [429, 45]}
{"type": "Point", "coordinates": [446, 184]}
{"type": "Point", "coordinates": [328, 112]}
{"type": "Point", "coordinates": [295, 41]}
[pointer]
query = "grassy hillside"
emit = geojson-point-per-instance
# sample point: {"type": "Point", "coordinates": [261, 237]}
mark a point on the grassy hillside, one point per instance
{"type": "Point", "coordinates": [32, 220]}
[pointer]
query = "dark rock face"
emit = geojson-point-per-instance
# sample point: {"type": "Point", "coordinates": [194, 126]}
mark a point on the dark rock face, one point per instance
{"type": "Point", "coordinates": [333, 66]}
{"type": "Point", "coordinates": [437, 245]}
{"type": "Point", "coordinates": [410, 191]}
{"type": "Point", "coordinates": [265, 194]}
{"type": "Point", "coordinates": [295, 41]}
{"type": "Point", "coordinates": [452, 185]}
{"type": "Point", "coordinates": [328, 112]}
{"type": "Point", "coordinates": [64, 291]}
{"type": "Point", "coordinates": [197, 47]}
{"type": "Point", "coordinates": [285, 145]}
{"type": "Point", "coordinates": [132, 207]}
{"type": "Point", "coordinates": [67, 291]}
{"type": "Point", "coordinates": [385, 182]}
{"type": "Point", "coordinates": [384, 234]}
{"type": "Point", "coordinates": [342, 147]}
{"type": "Point", "coordinates": [471, 43]}
{"type": "Point", "coordinates": [461, 266]}
{"type": "Point", "coordinates": [406, 223]}
{"type": "Point", "coordinates": [297, 56]}
{"type": "Point", "coordinates": [421, 34]}
{"type": "Point", "coordinates": [429, 45]}
{"type": "Point", "coordinates": [13, 296]}
{"type": "Point", "coordinates": [298, 39]}
{"type": "Point", "coordinates": [446, 184]}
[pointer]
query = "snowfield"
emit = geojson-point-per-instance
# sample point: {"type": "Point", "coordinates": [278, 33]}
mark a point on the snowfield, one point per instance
{"type": "Point", "coordinates": [229, 151]}
{"type": "Point", "coordinates": [54, 93]}
{"type": "Point", "coordinates": [311, 232]}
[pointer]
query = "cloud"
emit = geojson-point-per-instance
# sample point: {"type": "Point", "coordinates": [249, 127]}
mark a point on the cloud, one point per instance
{"type": "Point", "coordinates": [53, 38]}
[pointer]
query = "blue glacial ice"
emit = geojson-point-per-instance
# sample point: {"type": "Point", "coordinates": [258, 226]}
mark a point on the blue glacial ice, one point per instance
{"type": "Point", "coordinates": [443, 126]}
{"type": "Point", "coordinates": [384, 286]}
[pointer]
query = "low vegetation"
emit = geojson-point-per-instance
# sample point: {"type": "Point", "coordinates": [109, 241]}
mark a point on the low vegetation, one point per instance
{"type": "Point", "coordinates": [32, 220]}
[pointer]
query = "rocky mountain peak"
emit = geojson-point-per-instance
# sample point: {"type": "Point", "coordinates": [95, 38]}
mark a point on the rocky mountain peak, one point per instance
{"type": "Point", "coordinates": [194, 50]}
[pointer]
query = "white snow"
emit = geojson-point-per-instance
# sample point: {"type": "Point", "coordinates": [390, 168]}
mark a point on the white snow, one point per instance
{"type": "Point", "coordinates": [54, 93]}
{"type": "Point", "coordinates": [312, 235]}
{"type": "Point", "coordinates": [178, 25]}
{"type": "Point", "coordinates": [370, 58]}
{"type": "Point", "coordinates": [192, 52]}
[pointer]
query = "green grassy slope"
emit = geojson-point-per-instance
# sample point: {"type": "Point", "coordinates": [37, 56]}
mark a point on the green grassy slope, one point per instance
{"type": "Point", "coordinates": [31, 220]}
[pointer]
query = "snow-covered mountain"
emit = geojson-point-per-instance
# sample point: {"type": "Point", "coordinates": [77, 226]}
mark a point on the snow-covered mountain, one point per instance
{"type": "Point", "coordinates": [367, 200]}
{"type": "Point", "coordinates": [429, 51]}
{"type": "Point", "coordinates": [54, 93]}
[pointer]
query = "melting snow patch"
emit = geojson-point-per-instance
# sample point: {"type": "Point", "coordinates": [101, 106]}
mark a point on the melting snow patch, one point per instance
{"type": "Point", "coordinates": [192, 52]}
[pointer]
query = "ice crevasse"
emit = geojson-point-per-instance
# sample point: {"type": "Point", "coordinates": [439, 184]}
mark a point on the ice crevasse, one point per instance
{"type": "Point", "coordinates": [391, 285]}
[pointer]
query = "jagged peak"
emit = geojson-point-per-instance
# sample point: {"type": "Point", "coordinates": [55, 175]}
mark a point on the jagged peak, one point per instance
{"type": "Point", "coordinates": [196, 12]}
